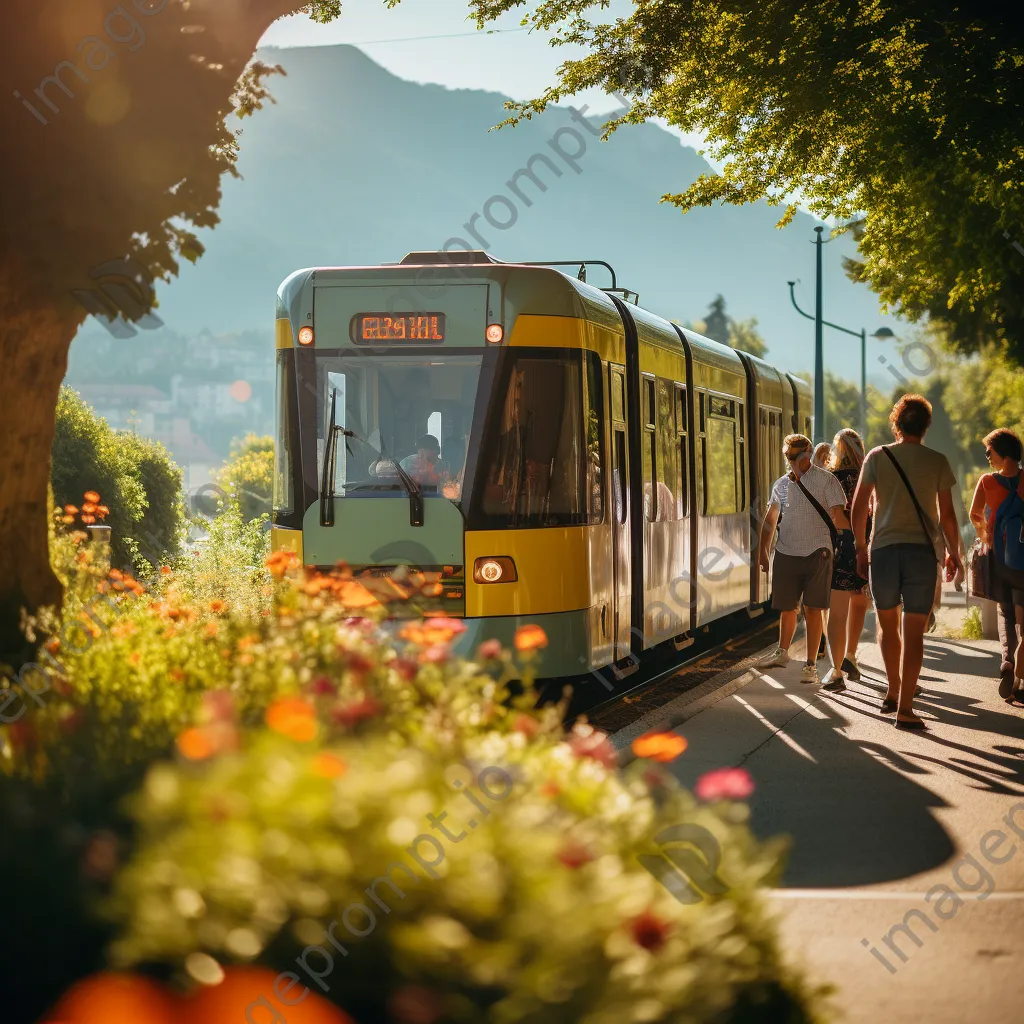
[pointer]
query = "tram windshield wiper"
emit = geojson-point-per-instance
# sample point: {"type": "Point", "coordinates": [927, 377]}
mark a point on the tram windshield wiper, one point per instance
{"type": "Point", "coordinates": [411, 488]}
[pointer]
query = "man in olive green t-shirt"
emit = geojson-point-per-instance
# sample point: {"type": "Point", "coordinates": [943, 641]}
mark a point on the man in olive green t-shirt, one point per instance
{"type": "Point", "coordinates": [905, 553]}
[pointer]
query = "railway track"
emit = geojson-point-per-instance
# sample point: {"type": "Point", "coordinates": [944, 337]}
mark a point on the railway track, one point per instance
{"type": "Point", "coordinates": [669, 678]}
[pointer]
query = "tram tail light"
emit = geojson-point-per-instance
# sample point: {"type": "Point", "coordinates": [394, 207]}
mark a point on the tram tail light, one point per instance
{"type": "Point", "coordinates": [495, 569]}
{"type": "Point", "coordinates": [305, 335]}
{"type": "Point", "coordinates": [494, 333]}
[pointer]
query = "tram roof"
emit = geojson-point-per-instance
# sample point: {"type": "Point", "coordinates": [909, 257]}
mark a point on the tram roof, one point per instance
{"type": "Point", "coordinates": [536, 288]}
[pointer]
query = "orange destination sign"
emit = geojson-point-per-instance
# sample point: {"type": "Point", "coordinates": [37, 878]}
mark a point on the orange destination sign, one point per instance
{"type": "Point", "coordinates": [401, 327]}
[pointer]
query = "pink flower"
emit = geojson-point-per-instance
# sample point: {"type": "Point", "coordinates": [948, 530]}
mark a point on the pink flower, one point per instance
{"type": "Point", "coordinates": [322, 686]}
{"type": "Point", "coordinates": [725, 784]}
{"type": "Point", "coordinates": [594, 744]}
{"type": "Point", "coordinates": [436, 654]}
{"type": "Point", "coordinates": [489, 650]}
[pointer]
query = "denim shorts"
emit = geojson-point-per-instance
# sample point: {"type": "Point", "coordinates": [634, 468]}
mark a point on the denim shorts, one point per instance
{"type": "Point", "coordinates": [904, 573]}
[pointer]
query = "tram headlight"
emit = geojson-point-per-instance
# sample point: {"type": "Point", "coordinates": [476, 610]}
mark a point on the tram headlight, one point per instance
{"type": "Point", "coordinates": [494, 333]}
{"type": "Point", "coordinates": [306, 335]}
{"type": "Point", "coordinates": [495, 569]}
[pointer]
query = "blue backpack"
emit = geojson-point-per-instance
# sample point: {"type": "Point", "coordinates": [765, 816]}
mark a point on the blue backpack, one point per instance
{"type": "Point", "coordinates": [1009, 525]}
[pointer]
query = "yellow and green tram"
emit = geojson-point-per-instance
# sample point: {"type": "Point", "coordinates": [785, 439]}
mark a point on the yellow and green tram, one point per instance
{"type": "Point", "coordinates": [549, 451]}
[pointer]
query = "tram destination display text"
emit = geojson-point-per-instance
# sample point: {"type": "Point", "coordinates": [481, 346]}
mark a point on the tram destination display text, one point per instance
{"type": "Point", "coordinates": [401, 327]}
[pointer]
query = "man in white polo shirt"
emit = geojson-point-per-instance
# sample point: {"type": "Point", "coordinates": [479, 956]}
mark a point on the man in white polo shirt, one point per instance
{"type": "Point", "coordinates": [802, 567]}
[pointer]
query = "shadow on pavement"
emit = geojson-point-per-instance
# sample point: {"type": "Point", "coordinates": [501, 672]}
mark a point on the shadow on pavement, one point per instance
{"type": "Point", "coordinates": [858, 808]}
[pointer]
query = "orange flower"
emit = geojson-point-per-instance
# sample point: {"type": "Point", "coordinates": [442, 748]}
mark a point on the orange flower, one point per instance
{"type": "Point", "coordinates": [526, 724]}
{"type": "Point", "coordinates": [102, 510]}
{"type": "Point", "coordinates": [71, 510]}
{"type": "Point", "coordinates": [279, 562]}
{"type": "Point", "coordinates": [432, 632]}
{"type": "Point", "coordinates": [134, 657]}
{"type": "Point", "coordinates": [176, 674]}
{"type": "Point", "coordinates": [328, 766]}
{"type": "Point", "coordinates": [67, 520]}
{"type": "Point", "coordinates": [530, 638]}
{"type": "Point", "coordinates": [88, 519]}
{"type": "Point", "coordinates": [91, 496]}
{"type": "Point", "coordinates": [165, 570]}
{"type": "Point", "coordinates": [353, 595]}
{"type": "Point", "coordinates": [294, 718]}
{"type": "Point", "coordinates": [211, 629]}
{"type": "Point", "coordinates": [89, 507]}
{"type": "Point", "coordinates": [195, 745]}
{"type": "Point", "coordinates": [217, 606]}
{"type": "Point", "coordinates": [659, 746]}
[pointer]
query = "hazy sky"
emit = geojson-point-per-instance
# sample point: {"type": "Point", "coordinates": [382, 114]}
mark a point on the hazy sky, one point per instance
{"type": "Point", "coordinates": [516, 62]}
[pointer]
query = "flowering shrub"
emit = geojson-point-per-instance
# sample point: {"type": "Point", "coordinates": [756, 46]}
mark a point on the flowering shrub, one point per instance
{"type": "Point", "coordinates": [308, 784]}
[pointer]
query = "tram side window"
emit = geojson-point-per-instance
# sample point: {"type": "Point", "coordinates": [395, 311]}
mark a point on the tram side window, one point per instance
{"type": "Point", "coordinates": [595, 435]}
{"type": "Point", "coordinates": [668, 454]}
{"type": "Point", "coordinates": [681, 453]}
{"type": "Point", "coordinates": [534, 452]}
{"type": "Point", "coordinates": [721, 469]}
{"type": "Point", "coordinates": [741, 461]}
{"type": "Point", "coordinates": [649, 443]}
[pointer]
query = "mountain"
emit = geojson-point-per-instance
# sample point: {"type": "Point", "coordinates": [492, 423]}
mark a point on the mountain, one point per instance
{"type": "Point", "coordinates": [353, 165]}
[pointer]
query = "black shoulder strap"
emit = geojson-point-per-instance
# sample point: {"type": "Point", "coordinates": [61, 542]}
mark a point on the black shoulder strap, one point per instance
{"type": "Point", "coordinates": [913, 498]}
{"type": "Point", "coordinates": [821, 512]}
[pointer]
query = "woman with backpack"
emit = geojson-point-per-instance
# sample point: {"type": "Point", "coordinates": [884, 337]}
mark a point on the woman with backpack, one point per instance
{"type": "Point", "coordinates": [996, 513]}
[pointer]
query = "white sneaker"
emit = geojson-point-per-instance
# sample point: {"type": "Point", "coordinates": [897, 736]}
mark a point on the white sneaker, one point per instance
{"type": "Point", "coordinates": [809, 674]}
{"type": "Point", "coordinates": [779, 658]}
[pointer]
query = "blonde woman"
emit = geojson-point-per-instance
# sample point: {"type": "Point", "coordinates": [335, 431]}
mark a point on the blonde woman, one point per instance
{"type": "Point", "coordinates": [850, 599]}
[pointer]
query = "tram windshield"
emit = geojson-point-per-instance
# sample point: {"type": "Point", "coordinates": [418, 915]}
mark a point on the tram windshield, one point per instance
{"type": "Point", "coordinates": [413, 410]}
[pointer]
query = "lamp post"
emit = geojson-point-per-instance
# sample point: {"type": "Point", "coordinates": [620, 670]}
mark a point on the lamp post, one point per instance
{"type": "Point", "coordinates": [819, 396]}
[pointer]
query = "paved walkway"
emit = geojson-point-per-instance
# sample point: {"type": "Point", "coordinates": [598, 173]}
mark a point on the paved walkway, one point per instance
{"type": "Point", "coordinates": [877, 818]}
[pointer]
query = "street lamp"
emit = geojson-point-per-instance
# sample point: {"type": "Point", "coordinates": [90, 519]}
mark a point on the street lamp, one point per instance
{"type": "Point", "coordinates": [819, 395]}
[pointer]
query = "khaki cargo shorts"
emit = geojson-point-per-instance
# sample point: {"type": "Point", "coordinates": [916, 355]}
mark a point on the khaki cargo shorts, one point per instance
{"type": "Point", "coordinates": [807, 576]}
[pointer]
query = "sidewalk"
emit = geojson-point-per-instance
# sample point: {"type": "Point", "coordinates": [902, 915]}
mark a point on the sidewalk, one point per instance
{"type": "Point", "coordinates": [877, 818]}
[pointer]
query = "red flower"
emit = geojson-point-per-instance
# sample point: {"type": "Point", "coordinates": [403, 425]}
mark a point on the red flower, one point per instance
{"type": "Point", "coordinates": [358, 663]}
{"type": "Point", "coordinates": [594, 744]}
{"type": "Point", "coordinates": [322, 686]}
{"type": "Point", "coordinates": [414, 1004]}
{"type": "Point", "coordinates": [406, 669]}
{"type": "Point", "coordinates": [575, 854]}
{"type": "Point", "coordinates": [649, 931]}
{"type": "Point", "coordinates": [357, 711]}
{"type": "Point", "coordinates": [725, 784]}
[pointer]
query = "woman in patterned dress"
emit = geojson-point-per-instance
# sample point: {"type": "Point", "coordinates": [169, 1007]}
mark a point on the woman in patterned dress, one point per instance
{"type": "Point", "coordinates": [850, 597]}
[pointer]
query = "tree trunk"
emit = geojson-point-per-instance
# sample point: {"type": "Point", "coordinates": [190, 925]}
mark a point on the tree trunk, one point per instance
{"type": "Point", "coordinates": [33, 356]}
{"type": "Point", "coordinates": [113, 154]}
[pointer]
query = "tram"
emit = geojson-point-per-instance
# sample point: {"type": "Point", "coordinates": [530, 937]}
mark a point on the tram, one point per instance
{"type": "Point", "coordinates": [546, 450]}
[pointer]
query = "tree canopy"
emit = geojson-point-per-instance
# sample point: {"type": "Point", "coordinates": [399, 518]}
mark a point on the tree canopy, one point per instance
{"type": "Point", "coordinates": [114, 145]}
{"type": "Point", "coordinates": [904, 119]}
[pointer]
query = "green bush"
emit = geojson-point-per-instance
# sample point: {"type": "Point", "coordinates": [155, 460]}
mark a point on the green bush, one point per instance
{"type": "Point", "coordinates": [249, 473]}
{"type": "Point", "coordinates": [134, 477]}
{"type": "Point", "coordinates": [282, 749]}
